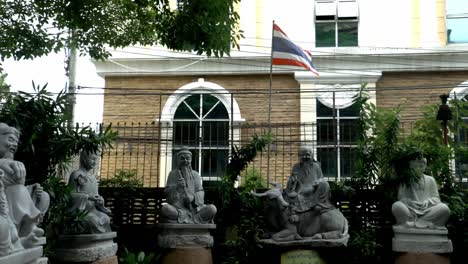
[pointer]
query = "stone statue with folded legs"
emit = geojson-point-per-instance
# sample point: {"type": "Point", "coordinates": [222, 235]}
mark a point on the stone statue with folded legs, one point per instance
{"type": "Point", "coordinates": [185, 195]}
{"type": "Point", "coordinates": [26, 204]}
{"type": "Point", "coordinates": [303, 209]}
{"type": "Point", "coordinates": [419, 213]}
{"type": "Point", "coordinates": [419, 203]}
{"type": "Point", "coordinates": [85, 195]}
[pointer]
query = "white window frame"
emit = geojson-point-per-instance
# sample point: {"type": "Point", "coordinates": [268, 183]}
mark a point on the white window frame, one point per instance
{"type": "Point", "coordinates": [171, 105]}
{"type": "Point", "coordinates": [449, 16]}
{"type": "Point", "coordinates": [339, 9]}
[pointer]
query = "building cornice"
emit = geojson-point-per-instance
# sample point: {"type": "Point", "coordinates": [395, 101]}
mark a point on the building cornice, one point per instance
{"type": "Point", "coordinates": [366, 61]}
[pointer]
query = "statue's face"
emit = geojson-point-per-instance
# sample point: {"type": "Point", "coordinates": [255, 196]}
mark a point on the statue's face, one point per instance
{"type": "Point", "coordinates": [185, 160]}
{"type": "Point", "coordinates": [418, 165]}
{"type": "Point", "coordinates": [305, 155]}
{"type": "Point", "coordinates": [8, 145]}
{"type": "Point", "coordinates": [90, 161]}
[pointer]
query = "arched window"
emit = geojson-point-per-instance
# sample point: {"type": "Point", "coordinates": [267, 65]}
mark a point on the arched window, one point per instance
{"type": "Point", "coordinates": [201, 123]}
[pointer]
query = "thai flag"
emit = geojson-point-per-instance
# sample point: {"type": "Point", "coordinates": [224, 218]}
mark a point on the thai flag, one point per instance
{"type": "Point", "coordinates": [285, 52]}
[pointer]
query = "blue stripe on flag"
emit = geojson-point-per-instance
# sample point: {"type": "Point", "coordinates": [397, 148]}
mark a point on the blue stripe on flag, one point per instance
{"type": "Point", "coordinates": [286, 46]}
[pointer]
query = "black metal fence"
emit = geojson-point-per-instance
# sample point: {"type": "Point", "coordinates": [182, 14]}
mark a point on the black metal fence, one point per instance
{"type": "Point", "coordinates": [147, 150]}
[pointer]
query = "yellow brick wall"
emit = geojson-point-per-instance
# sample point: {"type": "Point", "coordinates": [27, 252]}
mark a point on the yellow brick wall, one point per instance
{"type": "Point", "coordinates": [412, 91]}
{"type": "Point", "coordinates": [137, 101]}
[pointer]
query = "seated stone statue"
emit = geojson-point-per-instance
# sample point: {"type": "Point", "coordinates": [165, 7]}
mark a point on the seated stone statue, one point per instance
{"type": "Point", "coordinates": [85, 195]}
{"type": "Point", "coordinates": [185, 195]}
{"type": "Point", "coordinates": [419, 203]}
{"type": "Point", "coordinates": [9, 240]}
{"type": "Point", "coordinates": [26, 204]}
{"type": "Point", "coordinates": [304, 209]}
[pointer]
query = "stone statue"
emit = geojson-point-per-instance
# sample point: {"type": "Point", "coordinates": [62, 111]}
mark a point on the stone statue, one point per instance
{"type": "Point", "coordinates": [9, 240]}
{"type": "Point", "coordinates": [185, 195]}
{"type": "Point", "coordinates": [303, 209]}
{"type": "Point", "coordinates": [419, 204]}
{"type": "Point", "coordinates": [25, 205]}
{"type": "Point", "coordinates": [85, 195]}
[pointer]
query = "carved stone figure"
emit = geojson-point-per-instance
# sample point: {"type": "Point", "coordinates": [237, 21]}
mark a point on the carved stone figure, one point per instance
{"type": "Point", "coordinates": [185, 195]}
{"type": "Point", "coordinates": [419, 204]}
{"type": "Point", "coordinates": [306, 210]}
{"type": "Point", "coordinates": [26, 205]}
{"type": "Point", "coordinates": [85, 195]}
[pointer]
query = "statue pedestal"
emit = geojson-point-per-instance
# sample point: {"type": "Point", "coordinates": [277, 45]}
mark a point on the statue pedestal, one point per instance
{"type": "Point", "coordinates": [306, 250]}
{"type": "Point", "coordinates": [25, 256]}
{"type": "Point", "coordinates": [421, 245]}
{"type": "Point", "coordinates": [186, 243]}
{"type": "Point", "coordinates": [87, 248]}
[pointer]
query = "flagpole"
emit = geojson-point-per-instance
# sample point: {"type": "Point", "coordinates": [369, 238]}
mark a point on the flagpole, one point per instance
{"type": "Point", "coordinates": [269, 102]}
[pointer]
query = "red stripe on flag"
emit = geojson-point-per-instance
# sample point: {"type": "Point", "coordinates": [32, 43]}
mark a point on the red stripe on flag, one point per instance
{"type": "Point", "coordinates": [278, 61]}
{"type": "Point", "coordinates": [277, 28]}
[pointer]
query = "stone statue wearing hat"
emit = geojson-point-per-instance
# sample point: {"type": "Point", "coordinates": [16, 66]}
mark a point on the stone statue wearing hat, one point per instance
{"type": "Point", "coordinates": [25, 206]}
{"type": "Point", "coordinates": [185, 195]}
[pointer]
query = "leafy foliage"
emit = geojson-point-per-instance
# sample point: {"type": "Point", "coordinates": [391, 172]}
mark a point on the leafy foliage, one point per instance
{"type": "Point", "coordinates": [241, 157]}
{"type": "Point", "coordinates": [122, 178]}
{"type": "Point", "coordinates": [46, 141]}
{"type": "Point", "coordinates": [129, 257]}
{"type": "Point", "coordinates": [378, 135]}
{"type": "Point", "coordinates": [363, 245]}
{"type": "Point", "coordinates": [240, 216]}
{"type": "Point", "coordinates": [59, 219]}
{"type": "Point", "coordinates": [38, 27]}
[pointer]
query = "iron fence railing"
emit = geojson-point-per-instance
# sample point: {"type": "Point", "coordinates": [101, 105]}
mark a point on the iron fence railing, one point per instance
{"type": "Point", "coordinates": [147, 150]}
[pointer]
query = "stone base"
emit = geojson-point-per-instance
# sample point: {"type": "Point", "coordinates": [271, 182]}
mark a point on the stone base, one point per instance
{"type": "Point", "coordinates": [87, 248]}
{"type": "Point", "coordinates": [301, 256]}
{"type": "Point", "coordinates": [26, 256]}
{"type": "Point", "coordinates": [309, 242]}
{"type": "Point", "coordinates": [188, 256]}
{"type": "Point", "coordinates": [421, 240]}
{"type": "Point", "coordinates": [110, 260]}
{"type": "Point", "coordinates": [422, 258]}
{"type": "Point", "coordinates": [185, 235]}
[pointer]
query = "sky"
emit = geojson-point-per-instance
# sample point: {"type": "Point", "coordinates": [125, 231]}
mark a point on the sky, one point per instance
{"type": "Point", "coordinates": [50, 70]}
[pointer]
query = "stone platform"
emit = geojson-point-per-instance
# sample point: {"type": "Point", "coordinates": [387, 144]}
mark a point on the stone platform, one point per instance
{"type": "Point", "coordinates": [186, 243]}
{"type": "Point", "coordinates": [416, 240]}
{"type": "Point", "coordinates": [309, 242]}
{"type": "Point", "coordinates": [86, 248]}
{"type": "Point", "coordinates": [26, 256]}
{"type": "Point", "coordinates": [185, 235]}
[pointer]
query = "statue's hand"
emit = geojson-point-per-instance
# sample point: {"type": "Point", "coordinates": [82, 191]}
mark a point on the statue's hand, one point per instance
{"type": "Point", "coordinates": [38, 191]}
{"type": "Point", "coordinates": [15, 168]}
{"type": "Point", "coordinates": [98, 200]}
{"type": "Point", "coordinates": [294, 218]}
{"type": "Point", "coordinates": [188, 198]}
{"type": "Point", "coordinates": [181, 183]}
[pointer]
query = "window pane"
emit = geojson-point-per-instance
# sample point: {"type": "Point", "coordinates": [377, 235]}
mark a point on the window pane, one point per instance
{"type": "Point", "coordinates": [214, 162]}
{"type": "Point", "coordinates": [323, 110]}
{"type": "Point", "coordinates": [327, 158]}
{"type": "Point", "coordinates": [208, 102]}
{"type": "Point", "coordinates": [325, 132]}
{"type": "Point", "coordinates": [219, 112]}
{"type": "Point", "coordinates": [348, 131]}
{"type": "Point", "coordinates": [325, 34]}
{"type": "Point", "coordinates": [350, 111]}
{"type": "Point", "coordinates": [183, 112]}
{"type": "Point", "coordinates": [347, 34]}
{"type": "Point", "coordinates": [215, 133]}
{"type": "Point", "coordinates": [457, 30]}
{"type": "Point", "coordinates": [347, 166]}
{"type": "Point", "coordinates": [457, 6]}
{"type": "Point", "coordinates": [186, 133]}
